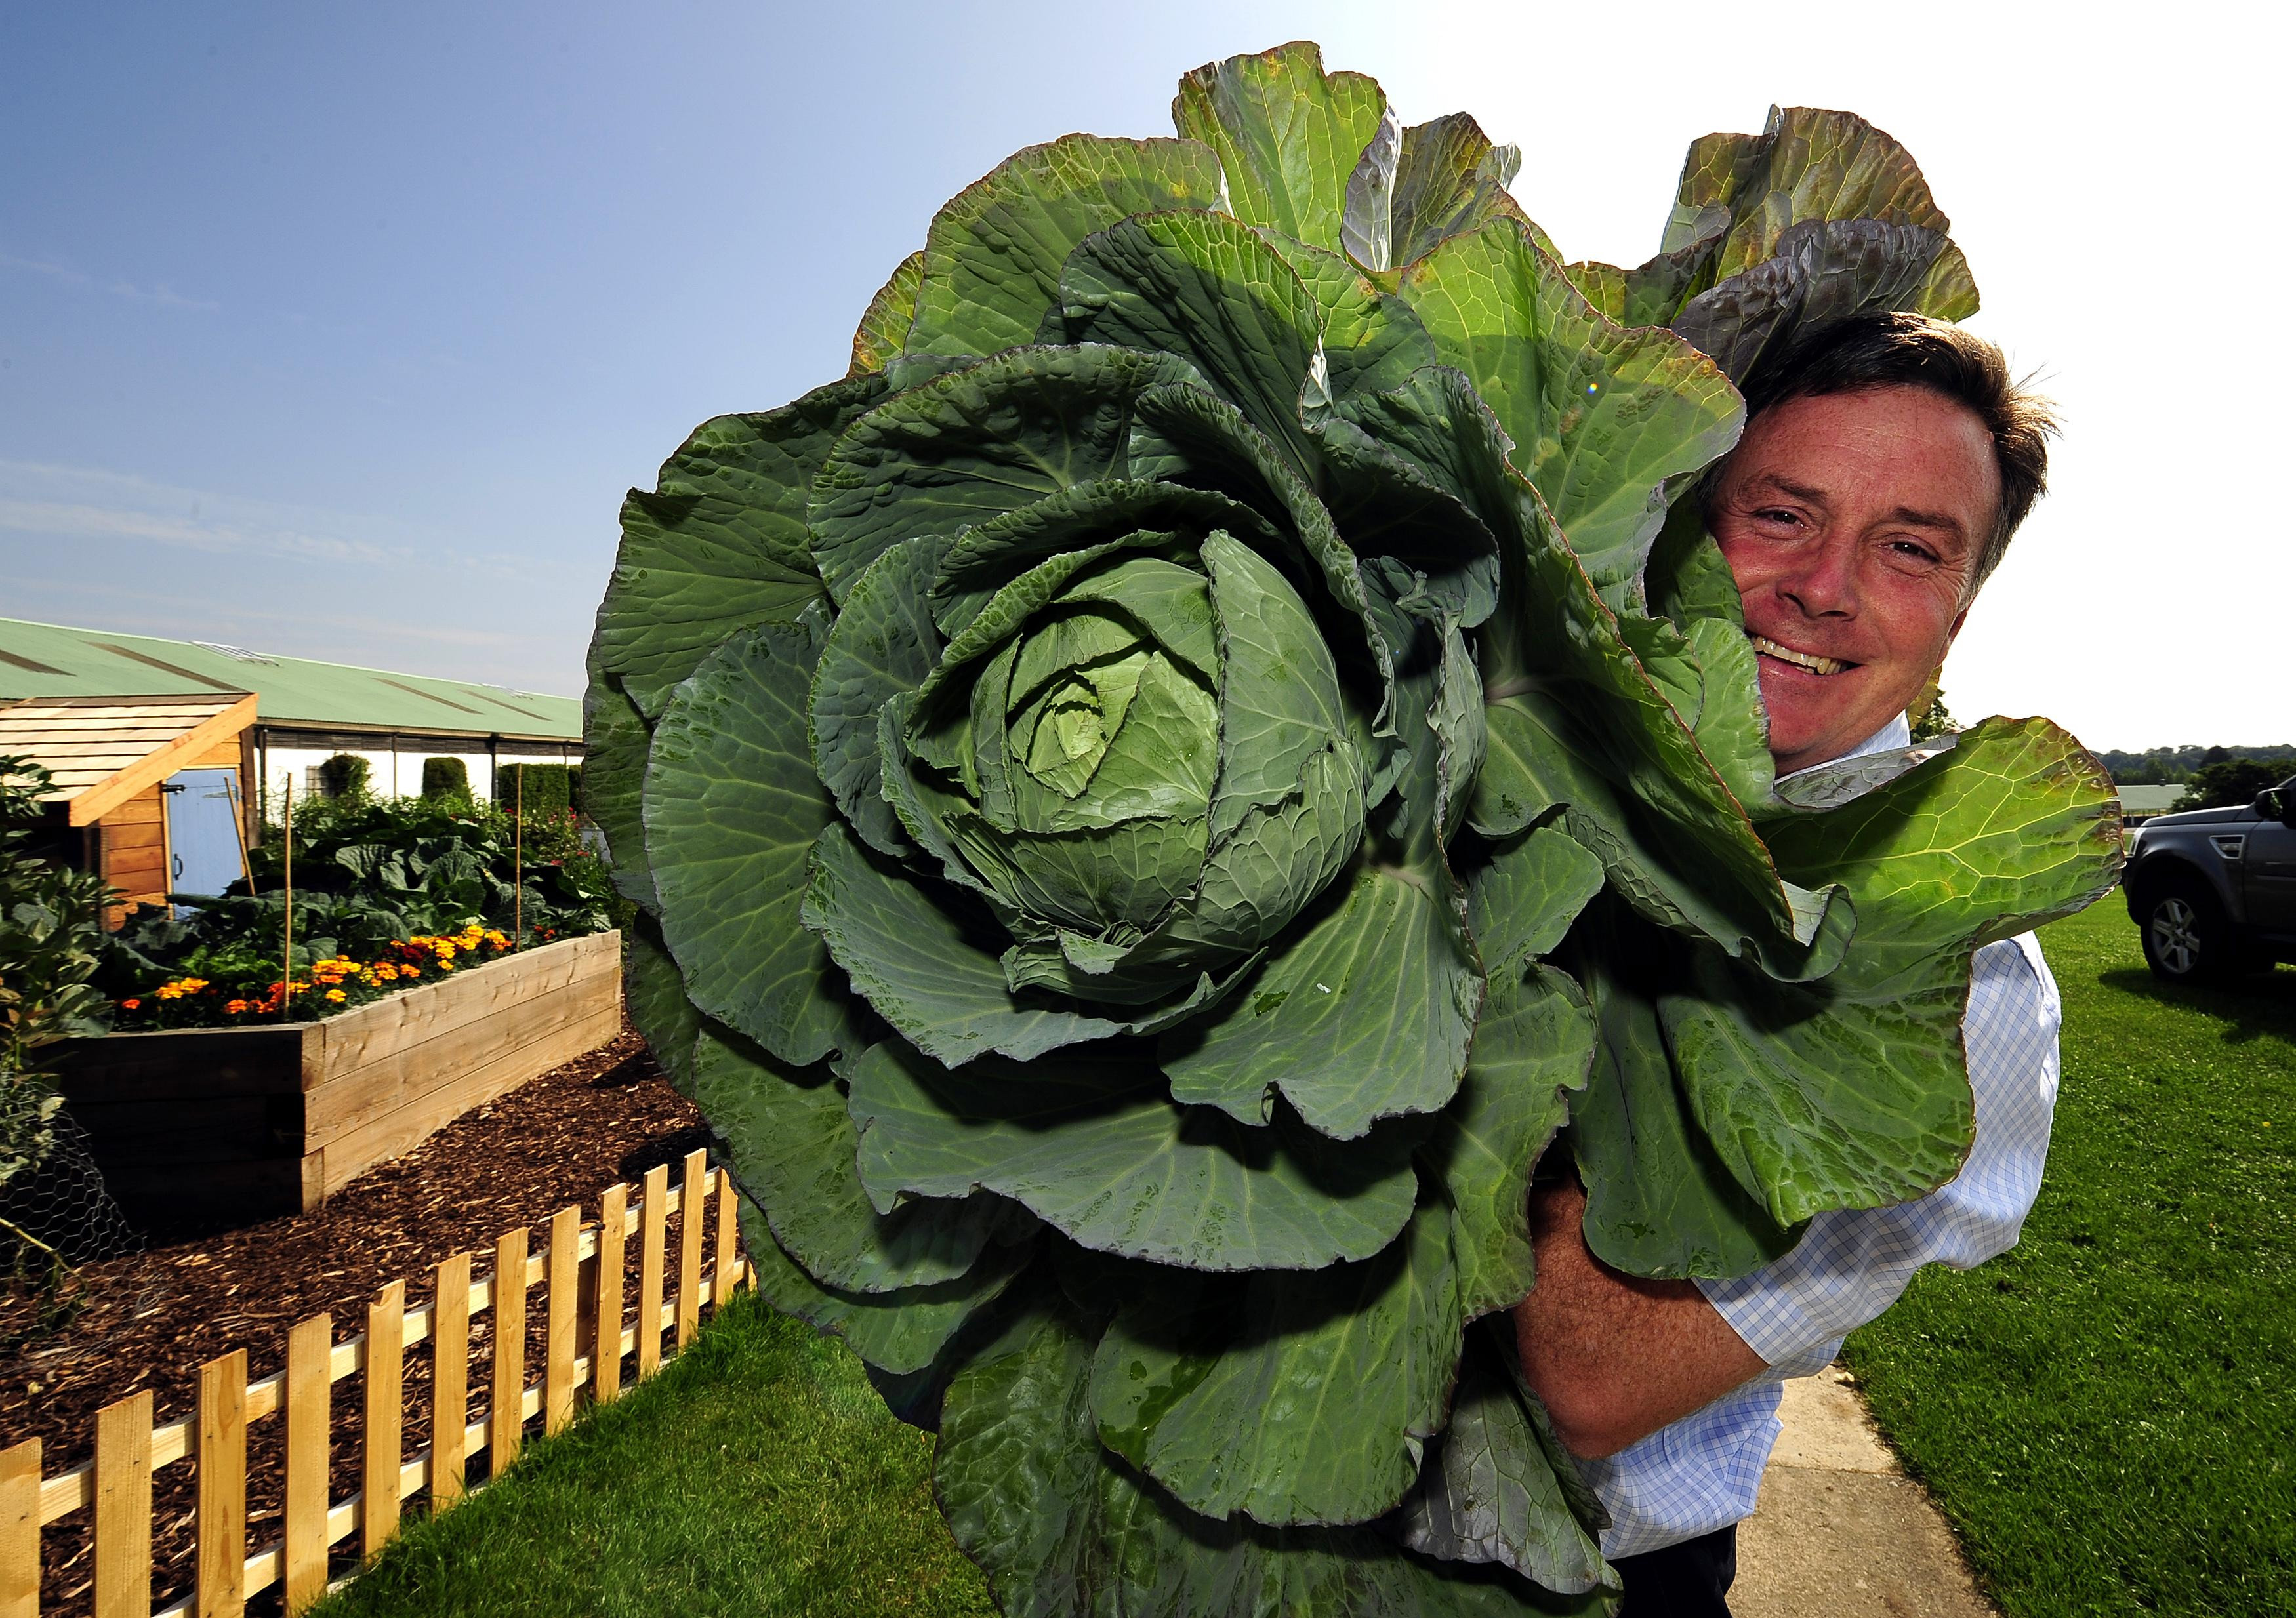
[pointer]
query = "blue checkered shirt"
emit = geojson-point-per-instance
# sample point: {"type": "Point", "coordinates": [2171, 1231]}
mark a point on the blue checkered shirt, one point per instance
{"type": "Point", "coordinates": [1702, 1473]}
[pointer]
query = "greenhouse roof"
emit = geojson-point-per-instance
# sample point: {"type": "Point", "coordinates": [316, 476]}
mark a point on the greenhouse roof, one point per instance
{"type": "Point", "coordinates": [50, 661]}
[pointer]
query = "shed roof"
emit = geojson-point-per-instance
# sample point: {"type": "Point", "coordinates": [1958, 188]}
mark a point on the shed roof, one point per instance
{"type": "Point", "coordinates": [50, 661]}
{"type": "Point", "coordinates": [100, 751]}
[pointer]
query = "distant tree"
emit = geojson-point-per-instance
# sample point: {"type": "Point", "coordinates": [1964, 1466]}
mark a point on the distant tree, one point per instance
{"type": "Point", "coordinates": [2216, 755]}
{"type": "Point", "coordinates": [2229, 782]}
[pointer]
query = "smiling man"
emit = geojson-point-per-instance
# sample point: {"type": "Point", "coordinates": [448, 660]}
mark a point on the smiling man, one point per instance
{"type": "Point", "coordinates": [1886, 463]}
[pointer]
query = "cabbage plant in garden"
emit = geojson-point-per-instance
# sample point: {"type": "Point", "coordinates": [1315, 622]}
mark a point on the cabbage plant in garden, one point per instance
{"type": "Point", "coordinates": [1155, 797]}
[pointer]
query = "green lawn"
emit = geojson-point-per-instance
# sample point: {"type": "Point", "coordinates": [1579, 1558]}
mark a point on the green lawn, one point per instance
{"type": "Point", "coordinates": [2108, 1413]}
{"type": "Point", "coordinates": [759, 1472]}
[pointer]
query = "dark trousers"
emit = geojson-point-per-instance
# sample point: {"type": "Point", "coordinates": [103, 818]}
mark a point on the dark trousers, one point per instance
{"type": "Point", "coordinates": [1685, 1581]}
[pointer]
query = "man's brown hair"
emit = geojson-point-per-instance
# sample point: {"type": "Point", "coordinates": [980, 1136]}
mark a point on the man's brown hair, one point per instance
{"type": "Point", "coordinates": [1889, 348]}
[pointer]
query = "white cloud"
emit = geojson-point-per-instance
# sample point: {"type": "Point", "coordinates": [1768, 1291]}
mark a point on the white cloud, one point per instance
{"type": "Point", "coordinates": [159, 292]}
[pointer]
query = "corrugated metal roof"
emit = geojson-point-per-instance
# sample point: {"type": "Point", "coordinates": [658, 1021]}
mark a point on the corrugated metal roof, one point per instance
{"type": "Point", "coordinates": [50, 661]}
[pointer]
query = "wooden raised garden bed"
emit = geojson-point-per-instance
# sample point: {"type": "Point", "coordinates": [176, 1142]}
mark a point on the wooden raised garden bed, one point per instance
{"type": "Point", "coordinates": [213, 1127]}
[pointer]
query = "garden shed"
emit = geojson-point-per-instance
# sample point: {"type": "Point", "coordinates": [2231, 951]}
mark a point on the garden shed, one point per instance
{"type": "Point", "coordinates": [305, 711]}
{"type": "Point", "coordinates": [147, 791]}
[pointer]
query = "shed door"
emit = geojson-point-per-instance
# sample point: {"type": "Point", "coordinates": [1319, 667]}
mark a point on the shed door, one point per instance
{"type": "Point", "coordinates": [202, 835]}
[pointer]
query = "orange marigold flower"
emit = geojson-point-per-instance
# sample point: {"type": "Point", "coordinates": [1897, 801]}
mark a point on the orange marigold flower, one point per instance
{"type": "Point", "coordinates": [131, 1003]}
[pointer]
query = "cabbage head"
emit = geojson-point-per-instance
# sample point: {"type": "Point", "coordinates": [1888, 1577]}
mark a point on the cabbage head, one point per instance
{"type": "Point", "coordinates": [1155, 798]}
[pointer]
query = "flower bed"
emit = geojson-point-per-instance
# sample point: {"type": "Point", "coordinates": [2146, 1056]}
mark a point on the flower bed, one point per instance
{"type": "Point", "coordinates": [337, 983]}
{"type": "Point", "coordinates": [207, 1128]}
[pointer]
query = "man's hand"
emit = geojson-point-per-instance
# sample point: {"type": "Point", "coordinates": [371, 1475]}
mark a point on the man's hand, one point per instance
{"type": "Point", "coordinates": [1615, 1357]}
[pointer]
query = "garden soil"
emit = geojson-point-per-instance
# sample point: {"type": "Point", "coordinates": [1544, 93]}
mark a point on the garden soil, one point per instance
{"type": "Point", "coordinates": [150, 1320]}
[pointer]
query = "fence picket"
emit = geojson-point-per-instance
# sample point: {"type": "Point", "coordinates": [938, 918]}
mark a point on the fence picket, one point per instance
{"type": "Point", "coordinates": [690, 1216]}
{"type": "Point", "coordinates": [450, 1377]}
{"type": "Point", "coordinates": [123, 1507]}
{"type": "Point", "coordinates": [506, 1406]}
{"type": "Point", "coordinates": [309, 1390]}
{"type": "Point", "coordinates": [586, 1315]}
{"type": "Point", "coordinates": [728, 1272]}
{"type": "Point", "coordinates": [383, 1412]}
{"type": "Point", "coordinates": [606, 1350]}
{"type": "Point", "coordinates": [222, 1588]}
{"type": "Point", "coordinates": [564, 1297]}
{"type": "Point", "coordinates": [653, 1228]}
{"type": "Point", "coordinates": [20, 1530]}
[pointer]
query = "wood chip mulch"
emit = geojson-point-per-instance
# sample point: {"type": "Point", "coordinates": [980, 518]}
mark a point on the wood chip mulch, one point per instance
{"type": "Point", "coordinates": [151, 1319]}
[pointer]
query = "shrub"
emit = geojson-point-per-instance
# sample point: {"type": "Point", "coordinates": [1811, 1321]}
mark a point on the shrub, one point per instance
{"type": "Point", "coordinates": [446, 778]}
{"type": "Point", "coordinates": [548, 790]}
{"type": "Point", "coordinates": [345, 775]}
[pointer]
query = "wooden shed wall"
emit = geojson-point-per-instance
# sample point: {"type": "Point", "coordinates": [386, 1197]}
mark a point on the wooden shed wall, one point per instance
{"type": "Point", "coordinates": [133, 836]}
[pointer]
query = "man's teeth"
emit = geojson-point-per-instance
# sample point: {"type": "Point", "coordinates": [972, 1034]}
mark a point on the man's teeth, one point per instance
{"type": "Point", "coordinates": [1799, 660]}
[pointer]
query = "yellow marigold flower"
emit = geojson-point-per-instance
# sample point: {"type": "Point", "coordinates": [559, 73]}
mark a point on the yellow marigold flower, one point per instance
{"type": "Point", "coordinates": [337, 994]}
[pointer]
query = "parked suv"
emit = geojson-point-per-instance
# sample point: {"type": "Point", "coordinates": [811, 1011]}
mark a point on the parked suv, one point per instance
{"type": "Point", "coordinates": [2213, 891]}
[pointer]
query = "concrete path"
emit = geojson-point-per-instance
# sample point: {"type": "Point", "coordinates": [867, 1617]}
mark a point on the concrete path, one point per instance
{"type": "Point", "coordinates": [1841, 1532]}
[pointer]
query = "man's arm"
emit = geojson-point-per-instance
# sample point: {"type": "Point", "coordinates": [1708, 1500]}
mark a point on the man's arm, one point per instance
{"type": "Point", "coordinates": [1615, 1357]}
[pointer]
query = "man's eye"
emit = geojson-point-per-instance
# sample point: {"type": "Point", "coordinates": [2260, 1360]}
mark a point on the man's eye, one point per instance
{"type": "Point", "coordinates": [1776, 515]}
{"type": "Point", "coordinates": [1908, 548]}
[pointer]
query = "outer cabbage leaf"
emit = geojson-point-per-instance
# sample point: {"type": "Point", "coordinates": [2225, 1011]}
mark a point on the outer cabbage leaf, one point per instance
{"type": "Point", "coordinates": [1853, 1092]}
{"type": "Point", "coordinates": [1602, 419]}
{"type": "Point", "coordinates": [1533, 1050]}
{"type": "Point", "coordinates": [993, 258]}
{"type": "Point", "coordinates": [721, 543]}
{"type": "Point", "coordinates": [793, 1146]}
{"type": "Point", "coordinates": [1449, 181]}
{"type": "Point", "coordinates": [884, 328]}
{"type": "Point", "coordinates": [901, 1333]}
{"type": "Point", "coordinates": [975, 444]}
{"type": "Point", "coordinates": [614, 739]}
{"type": "Point", "coordinates": [1491, 1493]}
{"type": "Point", "coordinates": [1287, 135]}
{"type": "Point", "coordinates": [732, 811]}
{"type": "Point", "coordinates": [653, 995]}
{"type": "Point", "coordinates": [1094, 1149]}
{"type": "Point", "coordinates": [1292, 1398]}
{"type": "Point", "coordinates": [1064, 1528]}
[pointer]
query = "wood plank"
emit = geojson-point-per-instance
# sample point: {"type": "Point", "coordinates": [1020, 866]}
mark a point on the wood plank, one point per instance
{"type": "Point", "coordinates": [606, 1335]}
{"type": "Point", "coordinates": [146, 810]}
{"type": "Point", "coordinates": [510, 1351]}
{"type": "Point", "coordinates": [693, 1219]}
{"type": "Point", "coordinates": [308, 1390]}
{"type": "Point", "coordinates": [123, 1507]}
{"type": "Point", "coordinates": [450, 1374]}
{"type": "Point", "coordinates": [386, 1346]}
{"type": "Point", "coordinates": [727, 1274]}
{"type": "Point", "coordinates": [162, 762]}
{"type": "Point", "coordinates": [20, 1530]}
{"type": "Point", "coordinates": [400, 1132]}
{"type": "Point", "coordinates": [222, 1534]}
{"type": "Point", "coordinates": [447, 1003]}
{"type": "Point", "coordinates": [222, 755]}
{"type": "Point", "coordinates": [653, 1228]}
{"type": "Point", "coordinates": [343, 1098]}
{"type": "Point", "coordinates": [564, 1304]}
{"type": "Point", "coordinates": [143, 836]}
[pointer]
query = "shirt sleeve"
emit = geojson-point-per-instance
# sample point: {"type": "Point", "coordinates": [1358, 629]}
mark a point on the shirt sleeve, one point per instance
{"type": "Point", "coordinates": [1850, 1265]}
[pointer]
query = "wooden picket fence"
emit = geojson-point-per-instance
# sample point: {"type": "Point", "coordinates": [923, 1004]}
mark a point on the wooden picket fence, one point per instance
{"type": "Point", "coordinates": [582, 1275]}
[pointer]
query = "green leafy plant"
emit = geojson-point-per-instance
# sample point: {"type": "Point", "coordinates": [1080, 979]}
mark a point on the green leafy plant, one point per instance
{"type": "Point", "coordinates": [51, 928]}
{"type": "Point", "coordinates": [1155, 798]}
{"type": "Point", "coordinates": [371, 874]}
{"type": "Point", "coordinates": [545, 791]}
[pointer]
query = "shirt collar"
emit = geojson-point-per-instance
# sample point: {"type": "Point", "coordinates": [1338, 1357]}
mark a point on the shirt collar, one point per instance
{"type": "Point", "coordinates": [1892, 738]}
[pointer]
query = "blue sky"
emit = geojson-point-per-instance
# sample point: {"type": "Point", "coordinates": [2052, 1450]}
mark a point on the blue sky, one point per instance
{"type": "Point", "coordinates": [340, 331]}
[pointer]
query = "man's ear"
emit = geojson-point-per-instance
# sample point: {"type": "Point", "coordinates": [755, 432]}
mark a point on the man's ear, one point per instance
{"type": "Point", "coordinates": [1959, 619]}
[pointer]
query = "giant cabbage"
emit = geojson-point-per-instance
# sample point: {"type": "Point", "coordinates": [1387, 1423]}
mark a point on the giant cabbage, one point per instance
{"type": "Point", "coordinates": [1153, 799]}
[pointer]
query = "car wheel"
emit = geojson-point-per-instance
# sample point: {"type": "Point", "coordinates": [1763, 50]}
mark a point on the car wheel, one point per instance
{"type": "Point", "coordinates": [2187, 936]}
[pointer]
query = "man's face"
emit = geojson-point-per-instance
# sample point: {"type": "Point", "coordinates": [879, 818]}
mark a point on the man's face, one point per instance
{"type": "Point", "coordinates": [1853, 523]}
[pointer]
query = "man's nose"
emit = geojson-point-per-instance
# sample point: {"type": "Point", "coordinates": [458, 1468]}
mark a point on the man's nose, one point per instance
{"type": "Point", "coordinates": [1822, 582]}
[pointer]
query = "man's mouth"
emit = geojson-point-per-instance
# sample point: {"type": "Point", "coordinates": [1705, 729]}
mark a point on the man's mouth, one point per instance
{"type": "Point", "coordinates": [1811, 661]}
